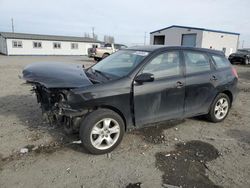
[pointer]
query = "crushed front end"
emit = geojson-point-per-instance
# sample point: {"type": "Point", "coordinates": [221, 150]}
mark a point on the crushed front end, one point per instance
{"type": "Point", "coordinates": [55, 107]}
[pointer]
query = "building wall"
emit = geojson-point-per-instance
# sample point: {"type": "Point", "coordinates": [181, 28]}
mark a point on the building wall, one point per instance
{"type": "Point", "coordinates": [3, 47]}
{"type": "Point", "coordinates": [47, 48]}
{"type": "Point", "coordinates": [173, 36]}
{"type": "Point", "coordinates": [218, 41]}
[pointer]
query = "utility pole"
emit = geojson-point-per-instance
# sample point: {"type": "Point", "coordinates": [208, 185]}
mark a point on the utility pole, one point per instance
{"type": "Point", "coordinates": [12, 25]}
{"type": "Point", "coordinates": [93, 32]}
{"type": "Point", "coordinates": [145, 38]}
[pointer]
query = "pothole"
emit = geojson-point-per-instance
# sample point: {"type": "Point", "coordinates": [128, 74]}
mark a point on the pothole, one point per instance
{"type": "Point", "coordinates": [186, 165]}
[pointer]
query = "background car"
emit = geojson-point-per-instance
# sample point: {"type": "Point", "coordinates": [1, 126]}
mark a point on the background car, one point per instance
{"type": "Point", "coordinates": [104, 51]}
{"type": "Point", "coordinates": [241, 56]}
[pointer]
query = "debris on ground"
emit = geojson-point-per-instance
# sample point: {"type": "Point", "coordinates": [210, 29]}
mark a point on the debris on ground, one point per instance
{"type": "Point", "coordinates": [68, 170]}
{"type": "Point", "coordinates": [77, 142]}
{"type": "Point", "coordinates": [24, 150]}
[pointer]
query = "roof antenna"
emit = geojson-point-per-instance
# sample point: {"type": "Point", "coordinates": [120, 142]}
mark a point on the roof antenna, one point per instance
{"type": "Point", "coordinates": [12, 25]}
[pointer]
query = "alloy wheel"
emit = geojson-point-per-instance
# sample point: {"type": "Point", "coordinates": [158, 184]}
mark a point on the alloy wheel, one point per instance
{"type": "Point", "coordinates": [221, 108]}
{"type": "Point", "coordinates": [105, 133]}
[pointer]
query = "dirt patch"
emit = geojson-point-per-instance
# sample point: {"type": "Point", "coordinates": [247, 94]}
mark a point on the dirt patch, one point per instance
{"type": "Point", "coordinates": [186, 166]}
{"type": "Point", "coordinates": [242, 136]}
{"type": "Point", "coordinates": [244, 75]}
{"type": "Point", "coordinates": [246, 90]}
{"type": "Point", "coordinates": [155, 133]}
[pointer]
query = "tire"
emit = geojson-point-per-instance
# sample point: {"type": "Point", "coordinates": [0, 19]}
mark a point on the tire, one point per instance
{"type": "Point", "coordinates": [97, 59]}
{"type": "Point", "coordinates": [219, 110]}
{"type": "Point", "coordinates": [246, 61]}
{"type": "Point", "coordinates": [96, 131]}
{"type": "Point", "coordinates": [105, 55]}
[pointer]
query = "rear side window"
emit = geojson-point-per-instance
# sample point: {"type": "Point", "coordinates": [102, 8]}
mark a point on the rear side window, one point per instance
{"type": "Point", "coordinates": [196, 62]}
{"type": "Point", "coordinates": [220, 61]}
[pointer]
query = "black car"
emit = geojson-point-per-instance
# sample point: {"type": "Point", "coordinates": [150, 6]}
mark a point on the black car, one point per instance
{"type": "Point", "coordinates": [241, 56]}
{"type": "Point", "coordinates": [133, 88]}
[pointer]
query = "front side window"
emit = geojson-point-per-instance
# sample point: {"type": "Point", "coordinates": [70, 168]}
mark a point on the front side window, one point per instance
{"type": "Point", "coordinates": [37, 45]}
{"type": "Point", "coordinates": [164, 65]}
{"type": "Point", "coordinates": [196, 62]}
{"type": "Point", "coordinates": [57, 45]}
{"type": "Point", "coordinates": [17, 44]}
{"type": "Point", "coordinates": [220, 61]}
{"type": "Point", "coordinates": [74, 45]}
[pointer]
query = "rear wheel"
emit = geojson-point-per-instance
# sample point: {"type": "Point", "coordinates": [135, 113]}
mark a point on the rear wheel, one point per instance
{"type": "Point", "coordinates": [97, 59]}
{"type": "Point", "coordinates": [246, 61]}
{"type": "Point", "coordinates": [220, 108]}
{"type": "Point", "coordinates": [102, 131]}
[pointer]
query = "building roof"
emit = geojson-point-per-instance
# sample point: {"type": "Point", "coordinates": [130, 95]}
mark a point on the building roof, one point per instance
{"type": "Point", "coordinates": [9, 35]}
{"type": "Point", "coordinates": [196, 28]}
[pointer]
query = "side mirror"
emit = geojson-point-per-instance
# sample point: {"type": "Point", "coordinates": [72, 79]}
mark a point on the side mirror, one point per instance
{"type": "Point", "coordinates": [144, 77]}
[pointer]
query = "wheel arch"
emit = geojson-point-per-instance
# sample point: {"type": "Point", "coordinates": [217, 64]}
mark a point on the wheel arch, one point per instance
{"type": "Point", "coordinates": [115, 110]}
{"type": "Point", "coordinates": [229, 94]}
{"type": "Point", "coordinates": [106, 53]}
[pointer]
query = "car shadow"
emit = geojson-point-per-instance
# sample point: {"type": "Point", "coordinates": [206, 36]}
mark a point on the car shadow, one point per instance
{"type": "Point", "coordinates": [27, 111]}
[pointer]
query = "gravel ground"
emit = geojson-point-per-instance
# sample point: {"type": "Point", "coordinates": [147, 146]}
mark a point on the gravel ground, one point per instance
{"type": "Point", "coordinates": [187, 153]}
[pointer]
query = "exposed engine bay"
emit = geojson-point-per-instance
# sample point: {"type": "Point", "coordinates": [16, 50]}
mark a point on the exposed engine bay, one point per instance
{"type": "Point", "coordinates": [55, 110]}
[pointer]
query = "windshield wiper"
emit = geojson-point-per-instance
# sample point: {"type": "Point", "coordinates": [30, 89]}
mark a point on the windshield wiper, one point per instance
{"type": "Point", "coordinates": [101, 73]}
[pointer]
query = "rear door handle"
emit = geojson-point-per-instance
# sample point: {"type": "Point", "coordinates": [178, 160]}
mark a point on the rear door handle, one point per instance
{"type": "Point", "coordinates": [179, 84]}
{"type": "Point", "coordinates": [213, 78]}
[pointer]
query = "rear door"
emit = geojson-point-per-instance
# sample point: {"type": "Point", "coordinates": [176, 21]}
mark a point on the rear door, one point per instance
{"type": "Point", "coordinates": [199, 90]}
{"type": "Point", "coordinates": [163, 98]}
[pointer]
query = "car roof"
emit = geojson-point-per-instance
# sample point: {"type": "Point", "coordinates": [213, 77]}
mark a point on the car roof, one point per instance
{"type": "Point", "coordinates": [152, 48]}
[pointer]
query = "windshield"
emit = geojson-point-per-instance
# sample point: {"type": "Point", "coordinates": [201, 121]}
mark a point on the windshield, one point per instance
{"type": "Point", "coordinates": [120, 63]}
{"type": "Point", "coordinates": [243, 51]}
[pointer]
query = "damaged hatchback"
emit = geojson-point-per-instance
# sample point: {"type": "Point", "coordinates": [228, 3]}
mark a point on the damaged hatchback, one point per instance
{"type": "Point", "coordinates": [133, 88]}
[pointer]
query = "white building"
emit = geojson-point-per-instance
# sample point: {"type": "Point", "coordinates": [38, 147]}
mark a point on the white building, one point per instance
{"type": "Point", "coordinates": [196, 37]}
{"type": "Point", "coordinates": [32, 44]}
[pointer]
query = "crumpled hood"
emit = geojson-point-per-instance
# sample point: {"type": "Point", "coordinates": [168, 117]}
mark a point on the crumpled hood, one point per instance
{"type": "Point", "coordinates": [56, 75]}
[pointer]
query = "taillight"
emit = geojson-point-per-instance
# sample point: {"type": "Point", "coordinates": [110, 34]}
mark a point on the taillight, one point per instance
{"type": "Point", "coordinates": [234, 72]}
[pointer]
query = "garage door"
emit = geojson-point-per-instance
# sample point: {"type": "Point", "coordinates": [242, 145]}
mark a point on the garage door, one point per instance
{"type": "Point", "coordinates": [188, 40]}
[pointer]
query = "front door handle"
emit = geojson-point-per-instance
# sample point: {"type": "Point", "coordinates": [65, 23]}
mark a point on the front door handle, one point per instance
{"type": "Point", "coordinates": [179, 84]}
{"type": "Point", "coordinates": [213, 78]}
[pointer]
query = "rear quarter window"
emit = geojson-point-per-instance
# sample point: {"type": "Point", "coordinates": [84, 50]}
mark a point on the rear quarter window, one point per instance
{"type": "Point", "coordinates": [220, 61]}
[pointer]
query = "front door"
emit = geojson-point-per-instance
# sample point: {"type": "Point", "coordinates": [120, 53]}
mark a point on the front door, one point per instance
{"type": "Point", "coordinates": [163, 98]}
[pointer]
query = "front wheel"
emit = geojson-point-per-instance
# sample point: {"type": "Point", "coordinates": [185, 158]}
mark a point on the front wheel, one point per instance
{"type": "Point", "coordinates": [102, 131]}
{"type": "Point", "coordinates": [219, 108]}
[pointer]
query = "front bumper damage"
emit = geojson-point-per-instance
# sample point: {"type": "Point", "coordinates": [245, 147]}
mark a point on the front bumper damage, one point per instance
{"type": "Point", "coordinates": [57, 110]}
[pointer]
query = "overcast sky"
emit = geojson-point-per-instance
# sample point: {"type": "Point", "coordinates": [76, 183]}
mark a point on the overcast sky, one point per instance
{"type": "Point", "coordinates": [126, 20]}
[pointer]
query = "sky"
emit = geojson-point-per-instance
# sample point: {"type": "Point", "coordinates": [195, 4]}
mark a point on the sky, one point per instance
{"type": "Point", "coordinates": [126, 20]}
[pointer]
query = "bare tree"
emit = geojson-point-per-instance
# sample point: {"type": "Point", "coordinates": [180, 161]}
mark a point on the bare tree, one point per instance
{"type": "Point", "coordinates": [86, 35]}
{"type": "Point", "coordinates": [95, 37]}
{"type": "Point", "coordinates": [109, 39]}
